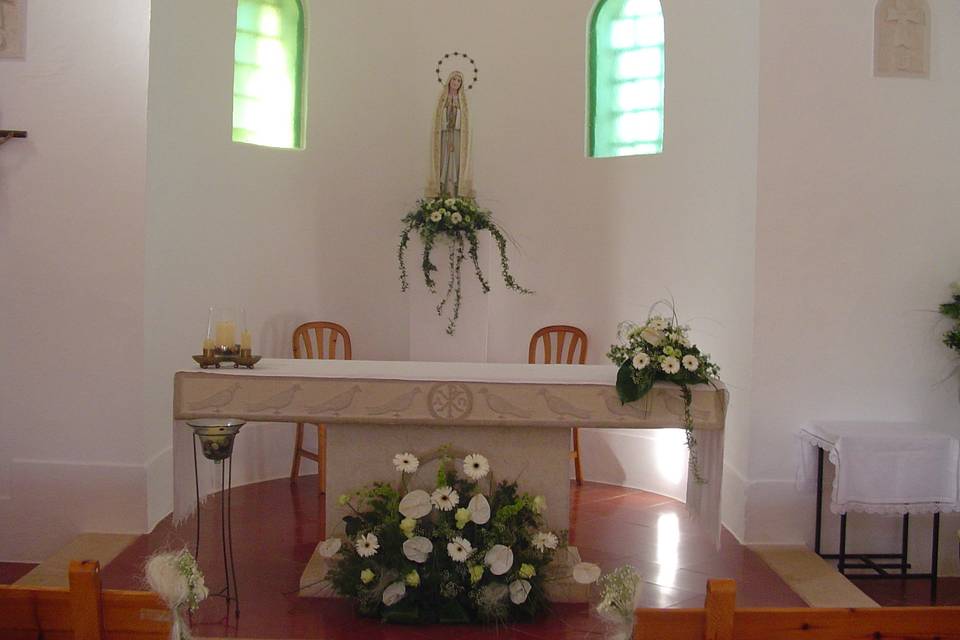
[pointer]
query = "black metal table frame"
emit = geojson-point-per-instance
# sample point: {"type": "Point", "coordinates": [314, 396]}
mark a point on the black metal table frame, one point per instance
{"type": "Point", "coordinates": [877, 562]}
{"type": "Point", "coordinates": [226, 528]}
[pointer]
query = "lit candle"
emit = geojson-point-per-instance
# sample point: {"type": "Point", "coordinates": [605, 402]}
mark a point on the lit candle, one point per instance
{"type": "Point", "coordinates": [226, 334]}
{"type": "Point", "coordinates": [246, 340]}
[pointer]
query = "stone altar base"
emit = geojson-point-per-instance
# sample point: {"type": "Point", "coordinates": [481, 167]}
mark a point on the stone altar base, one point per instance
{"type": "Point", "coordinates": [537, 459]}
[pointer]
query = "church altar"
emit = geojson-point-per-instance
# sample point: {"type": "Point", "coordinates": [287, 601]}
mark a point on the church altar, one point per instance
{"type": "Point", "coordinates": [518, 415]}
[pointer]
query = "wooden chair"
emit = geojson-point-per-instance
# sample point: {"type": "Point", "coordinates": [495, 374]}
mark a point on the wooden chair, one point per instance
{"type": "Point", "coordinates": [557, 350]}
{"type": "Point", "coordinates": [317, 340]}
{"type": "Point", "coordinates": [721, 620]}
{"type": "Point", "coordinates": [83, 612]}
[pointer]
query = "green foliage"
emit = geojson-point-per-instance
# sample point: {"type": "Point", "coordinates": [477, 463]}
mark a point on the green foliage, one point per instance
{"type": "Point", "coordinates": [445, 592]}
{"type": "Point", "coordinates": [951, 310]}
{"type": "Point", "coordinates": [459, 220]}
{"type": "Point", "coordinates": [660, 349]}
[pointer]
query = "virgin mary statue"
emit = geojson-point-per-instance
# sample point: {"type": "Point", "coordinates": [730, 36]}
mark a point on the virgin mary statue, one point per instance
{"type": "Point", "coordinates": [450, 174]}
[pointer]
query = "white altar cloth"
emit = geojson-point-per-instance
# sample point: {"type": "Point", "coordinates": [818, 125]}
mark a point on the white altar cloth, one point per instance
{"type": "Point", "coordinates": [887, 468]}
{"type": "Point", "coordinates": [431, 394]}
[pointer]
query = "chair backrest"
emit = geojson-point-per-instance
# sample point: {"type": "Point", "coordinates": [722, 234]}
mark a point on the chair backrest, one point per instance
{"type": "Point", "coordinates": [83, 612]}
{"type": "Point", "coordinates": [319, 340]}
{"type": "Point", "coordinates": [721, 620]}
{"type": "Point", "coordinates": [562, 344]}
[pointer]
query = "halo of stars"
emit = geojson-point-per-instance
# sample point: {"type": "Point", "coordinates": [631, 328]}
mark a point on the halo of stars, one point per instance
{"type": "Point", "coordinates": [457, 54]}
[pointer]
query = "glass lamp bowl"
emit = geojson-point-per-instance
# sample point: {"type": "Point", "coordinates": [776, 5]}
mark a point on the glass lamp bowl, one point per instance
{"type": "Point", "coordinates": [216, 436]}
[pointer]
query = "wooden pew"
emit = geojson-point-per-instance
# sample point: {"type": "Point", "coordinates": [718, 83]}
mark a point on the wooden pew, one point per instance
{"type": "Point", "coordinates": [83, 612]}
{"type": "Point", "coordinates": [721, 620]}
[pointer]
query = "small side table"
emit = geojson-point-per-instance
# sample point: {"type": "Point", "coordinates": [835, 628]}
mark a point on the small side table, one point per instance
{"type": "Point", "coordinates": [216, 436]}
{"type": "Point", "coordinates": [912, 487]}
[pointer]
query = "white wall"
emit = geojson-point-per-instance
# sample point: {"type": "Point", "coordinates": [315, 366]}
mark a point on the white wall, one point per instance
{"type": "Point", "coordinates": [72, 201]}
{"type": "Point", "coordinates": [857, 239]}
{"type": "Point", "coordinates": [329, 250]}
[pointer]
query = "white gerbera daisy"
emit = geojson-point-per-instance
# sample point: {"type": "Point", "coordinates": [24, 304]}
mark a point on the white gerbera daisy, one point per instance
{"type": "Point", "coordinates": [459, 549]}
{"type": "Point", "coordinates": [544, 540]}
{"type": "Point", "coordinates": [445, 498]}
{"type": "Point", "coordinates": [690, 363]}
{"type": "Point", "coordinates": [476, 466]}
{"type": "Point", "coordinates": [367, 545]}
{"type": "Point", "coordinates": [670, 365]}
{"type": "Point", "coordinates": [659, 323]}
{"type": "Point", "coordinates": [436, 216]}
{"type": "Point", "coordinates": [640, 361]}
{"type": "Point", "coordinates": [406, 462]}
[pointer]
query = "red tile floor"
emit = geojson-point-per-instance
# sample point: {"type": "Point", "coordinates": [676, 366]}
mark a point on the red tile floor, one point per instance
{"type": "Point", "coordinates": [277, 525]}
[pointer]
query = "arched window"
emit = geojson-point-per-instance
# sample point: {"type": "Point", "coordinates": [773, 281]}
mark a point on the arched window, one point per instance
{"type": "Point", "coordinates": [268, 73]}
{"type": "Point", "coordinates": [626, 78]}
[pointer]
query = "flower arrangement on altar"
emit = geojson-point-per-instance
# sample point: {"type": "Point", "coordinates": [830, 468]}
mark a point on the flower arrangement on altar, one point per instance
{"type": "Point", "coordinates": [468, 551]}
{"type": "Point", "coordinates": [952, 311]}
{"type": "Point", "coordinates": [460, 221]}
{"type": "Point", "coordinates": [660, 349]}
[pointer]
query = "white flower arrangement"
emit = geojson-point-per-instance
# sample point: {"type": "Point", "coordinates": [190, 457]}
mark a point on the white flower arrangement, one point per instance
{"type": "Point", "coordinates": [177, 579]}
{"type": "Point", "coordinates": [419, 557]}
{"type": "Point", "coordinates": [660, 349]}
{"type": "Point", "coordinates": [459, 220]}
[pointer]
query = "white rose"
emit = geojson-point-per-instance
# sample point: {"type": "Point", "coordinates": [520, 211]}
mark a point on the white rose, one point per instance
{"type": "Point", "coordinates": [456, 218]}
{"type": "Point", "coordinates": [329, 547]}
{"type": "Point", "coordinates": [416, 504]}
{"type": "Point", "coordinates": [640, 361]}
{"type": "Point", "coordinates": [690, 363]}
{"type": "Point", "coordinates": [394, 593]}
{"type": "Point", "coordinates": [479, 509]}
{"type": "Point", "coordinates": [417, 549]}
{"type": "Point", "coordinates": [436, 216]}
{"type": "Point", "coordinates": [670, 365]}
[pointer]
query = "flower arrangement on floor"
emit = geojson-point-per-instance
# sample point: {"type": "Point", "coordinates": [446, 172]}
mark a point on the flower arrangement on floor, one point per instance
{"type": "Point", "coordinates": [460, 220]}
{"type": "Point", "coordinates": [619, 599]}
{"type": "Point", "coordinates": [455, 555]}
{"type": "Point", "coordinates": [952, 311]}
{"type": "Point", "coordinates": [177, 579]}
{"type": "Point", "coordinates": [660, 349]}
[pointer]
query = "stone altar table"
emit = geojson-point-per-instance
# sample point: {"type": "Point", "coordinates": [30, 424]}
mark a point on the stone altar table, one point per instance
{"type": "Point", "coordinates": [517, 415]}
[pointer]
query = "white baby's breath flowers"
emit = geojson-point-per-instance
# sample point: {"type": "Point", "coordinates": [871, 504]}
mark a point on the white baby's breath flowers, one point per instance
{"type": "Point", "coordinates": [445, 498]}
{"type": "Point", "coordinates": [367, 545]}
{"type": "Point", "coordinates": [479, 509]}
{"type": "Point", "coordinates": [476, 466]}
{"type": "Point", "coordinates": [670, 365]}
{"type": "Point", "coordinates": [690, 363]}
{"type": "Point", "coordinates": [436, 216]}
{"type": "Point", "coordinates": [416, 504]}
{"type": "Point", "coordinates": [544, 540]}
{"type": "Point", "coordinates": [329, 547]}
{"type": "Point", "coordinates": [456, 218]}
{"type": "Point", "coordinates": [459, 549]}
{"type": "Point", "coordinates": [640, 361]}
{"type": "Point", "coordinates": [406, 462]}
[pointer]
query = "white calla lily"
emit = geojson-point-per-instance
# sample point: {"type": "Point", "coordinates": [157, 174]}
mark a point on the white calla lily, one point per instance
{"type": "Point", "coordinates": [416, 504]}
{"type": "Point", "coordinates": [417, 549]}
{"type": "Point", "coordinates": [479, 509]}
{"type": "Point", "coordinates": [329, 547]}
{"type": "Point", "coordinates": [519, 590]}
{"type": "Point", "coordinates": [499, 558]}
{"type": "Point", "coordinates": [586, 573]}
{"type": "Point", "coordinates": [394, 593]}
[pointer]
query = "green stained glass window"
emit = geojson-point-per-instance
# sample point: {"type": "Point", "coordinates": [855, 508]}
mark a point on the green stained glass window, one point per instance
{"type": "Point", "coordinates": [268, 73]}
{"type": "Point", "coordinates": [626, 78]}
